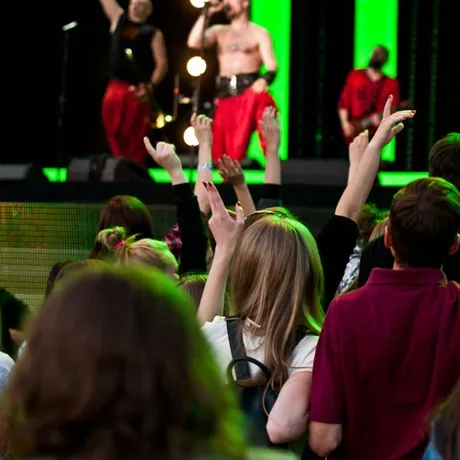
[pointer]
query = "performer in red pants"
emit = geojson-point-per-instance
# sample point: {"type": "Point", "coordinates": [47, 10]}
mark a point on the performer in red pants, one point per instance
{"type": "Point", "coordinates": [242, 93]}
{"type": "Point", "coordinates": [138, 62]}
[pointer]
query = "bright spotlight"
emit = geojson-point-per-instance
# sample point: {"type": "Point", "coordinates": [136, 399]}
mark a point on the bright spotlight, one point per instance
{"type": "Point", "coordinates": [196, 66]}
{"type": "Point", "coordinates": [168, 118]}
{"type": "Point", "coordinates": [190, 138]}
{"type": "Point", "coordinates": [197, 3]}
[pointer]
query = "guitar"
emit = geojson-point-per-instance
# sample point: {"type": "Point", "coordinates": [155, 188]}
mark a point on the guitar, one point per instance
{"type": "Point", "coordinates": [362, 123]}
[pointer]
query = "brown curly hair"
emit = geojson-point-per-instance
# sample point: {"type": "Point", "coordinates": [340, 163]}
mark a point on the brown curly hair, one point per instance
{"type": "Point", "coordinates": [116, 368]}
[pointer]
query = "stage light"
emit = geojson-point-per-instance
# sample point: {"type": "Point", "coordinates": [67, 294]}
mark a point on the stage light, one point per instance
{"type": "Point", "coordinates": [198, 3]}
{"type": "Point", "coordinates": [196, 66]}
{"type": "Point", "coordinates": [168, 118]}
{"type": "Point", "coordinates": [190, 138]}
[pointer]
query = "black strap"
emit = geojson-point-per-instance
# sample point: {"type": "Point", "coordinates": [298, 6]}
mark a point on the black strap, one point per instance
{"type": "Point", "coordinates": [235, 338]}
{"type": "Point", "coordinates": [240, 359]}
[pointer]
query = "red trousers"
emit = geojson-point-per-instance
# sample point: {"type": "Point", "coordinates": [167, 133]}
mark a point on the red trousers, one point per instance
{"type": "Point", "coordinates": [235, 119]}
{"type": "Point", "coordinates": [126, 122]}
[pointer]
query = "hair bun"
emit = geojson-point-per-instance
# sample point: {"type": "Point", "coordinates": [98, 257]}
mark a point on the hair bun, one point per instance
{"type": "Point", "coordinates": [111, 237]}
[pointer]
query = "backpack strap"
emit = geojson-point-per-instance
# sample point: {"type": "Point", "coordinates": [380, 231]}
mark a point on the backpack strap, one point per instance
{"type": "Point", "coordinates": [235, 337]}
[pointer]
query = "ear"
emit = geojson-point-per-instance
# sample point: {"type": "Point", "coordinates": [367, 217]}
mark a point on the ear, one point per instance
{"type": "Point", "coordinates": [387, 238]}
{"type": "Point", "coordinates": [455, 246]}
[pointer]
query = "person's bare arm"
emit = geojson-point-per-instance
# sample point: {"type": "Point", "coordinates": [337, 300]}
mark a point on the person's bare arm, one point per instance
{"type": "Point", "coordinates": [161, 58]}
{"type": "Point", "coordinates": [112, 10]}
{"type": "Point", "coordinates": [356, 151]}
{"type": "Point", "coordinates": [287, 421]}
{"type": "Point", "coordinates": [194, 38]}
{"type": "Point", "coordinates": [357, 191]}
{"type": "Point", "coordinates": [271, 131]}
{"type": "Point", "coordinates": [232, 173]}
{"type": "Point", "coordinates": [267, 51]}
{"type": "Point", "coordinates": [203, 132]}
{"type": "Point", "coordinates": [324, 438]}
{"type": "Point", "coordinates": [226, 232]}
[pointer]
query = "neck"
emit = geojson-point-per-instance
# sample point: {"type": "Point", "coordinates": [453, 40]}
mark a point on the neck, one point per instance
{"type": "Point", "coordinates": [374, 73]}
{"type": "Point", "coordinates": [240, 22]}
{"type": "Point", "coordinates": [136, 19]}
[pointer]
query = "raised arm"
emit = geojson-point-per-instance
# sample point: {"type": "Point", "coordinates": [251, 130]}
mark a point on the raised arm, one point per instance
{"type": "Point", "coordinates": [226, 232]}
{"type": "Point", "coordinates": [232, 173]}
{"type": "Point", "coordinates": [161, 58]}
{"type": "Point", "coordinates": [112, 10]}
{"type": "Point", "coordinates": [357, 191]}
{"type": "Point", "coordinates": [194, 38]}
{"type": "Point", "coordinates": [203, 132]}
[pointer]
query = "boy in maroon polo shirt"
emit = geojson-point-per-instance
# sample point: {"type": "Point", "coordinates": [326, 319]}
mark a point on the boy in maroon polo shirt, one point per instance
{"type": "Point", "coordinates": [389, 352]}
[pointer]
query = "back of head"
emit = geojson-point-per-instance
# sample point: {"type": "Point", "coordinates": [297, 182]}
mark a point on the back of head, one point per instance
{"type": "Point", "coordinates": [424, 222]}
{"type": "Point", "coordinates": [152, 253]}
{"type": "Point", "coordinates": [127, 212]}
{"type": "Point", "coordinates": [368, 218]}
{"type": "Point", "coordinates": [117, 363]}
{"type": "Point", "coordinates": [74, 269]}
{"type": "Point", "coordinates": [276, 281]}
{"type": "Point", "coordinates": [445, 159]}
{"type": "Point", "coordinates": [194, 286]}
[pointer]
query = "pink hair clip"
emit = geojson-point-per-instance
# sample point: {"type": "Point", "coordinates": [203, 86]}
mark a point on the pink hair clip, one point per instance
{"type": "Point", "coordinates": [119, 245]}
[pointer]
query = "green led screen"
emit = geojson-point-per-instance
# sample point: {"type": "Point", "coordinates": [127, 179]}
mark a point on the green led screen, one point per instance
{"type": "Point", "coordinates": [275, 16]}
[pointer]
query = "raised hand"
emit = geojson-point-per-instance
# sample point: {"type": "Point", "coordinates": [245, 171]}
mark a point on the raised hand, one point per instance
{"type": "Point", "coordinates": [225, 230]}
{"type": "Point", "coordinates": [164, 155]}
{"type": "Point", "coordinates": [203, 128]}
{"type": "Point", "coordinates": [358, 147]}
{"type": "Point", "coordinates": [231, 171]}
{"type": "Point", "coordinates": [271, 132]}
{"type": "Point", "coordinates": [391, 125]}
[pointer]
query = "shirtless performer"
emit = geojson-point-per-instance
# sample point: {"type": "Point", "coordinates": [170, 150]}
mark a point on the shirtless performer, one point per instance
{"type": "Point", "coordinates": [242, 92]}
{"type": "Point", "coordinates": [138, 63]}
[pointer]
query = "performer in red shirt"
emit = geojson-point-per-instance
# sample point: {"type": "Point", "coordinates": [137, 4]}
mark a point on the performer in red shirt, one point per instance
{"type": "Point", "coordinates": [365, 94]}
{"type": "Point", "coordinates": [138, 62]}
{"type": "Point", "coordinates": [242, 92]}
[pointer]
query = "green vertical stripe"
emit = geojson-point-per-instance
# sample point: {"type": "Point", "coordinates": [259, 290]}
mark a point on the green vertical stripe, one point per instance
{"type": "Point", "coordinates": [275, 16]}
{"type": "Point", "coordinates": [376, 23]}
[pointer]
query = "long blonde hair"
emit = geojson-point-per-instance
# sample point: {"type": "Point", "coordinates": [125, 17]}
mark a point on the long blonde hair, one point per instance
{"type": "Point", "coordinates": [277, 282]}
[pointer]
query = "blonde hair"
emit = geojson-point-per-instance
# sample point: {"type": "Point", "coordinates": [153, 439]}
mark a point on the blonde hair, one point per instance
{"type": "Point", "coordinates": [277, 282]}
{"type": "Point", "coordinates": [148, 252]}
{"type": "Point", "coordinates": [379, 229]}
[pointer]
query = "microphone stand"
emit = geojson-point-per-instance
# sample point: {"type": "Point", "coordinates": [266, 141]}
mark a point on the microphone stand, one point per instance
{"type": "Point", "coordinates": [62, 97]}
{"type": "Point", "coordinates": [198, 83]}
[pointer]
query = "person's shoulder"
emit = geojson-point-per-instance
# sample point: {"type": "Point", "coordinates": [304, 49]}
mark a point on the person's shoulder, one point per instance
{"type": "Point", "coordinates": [216, 328]}
{"type": "Point", "coordinates": [259, 30]}
{"type": "Point", "coordinates": [350, 301]}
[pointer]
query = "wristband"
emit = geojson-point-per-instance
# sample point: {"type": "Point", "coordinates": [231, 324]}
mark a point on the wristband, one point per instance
{"type": "Point", "coordinates": [270, 76]}
{"type": "Point", "coordinates": [205, 166]}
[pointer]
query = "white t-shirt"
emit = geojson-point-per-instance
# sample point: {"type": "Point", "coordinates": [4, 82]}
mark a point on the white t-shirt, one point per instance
{"type": "Point", "coordinates": [216, 332]}
{"type": "Point", "coordinates": [6, 365]}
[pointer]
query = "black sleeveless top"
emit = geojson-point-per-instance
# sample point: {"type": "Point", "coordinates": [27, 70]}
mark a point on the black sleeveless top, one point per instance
{"type": "Point", "coordinates": [137, 40]}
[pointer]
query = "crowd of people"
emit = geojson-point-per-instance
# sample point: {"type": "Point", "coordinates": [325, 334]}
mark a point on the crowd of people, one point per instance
{"type": "Point", "coordinates": [242, 336]}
